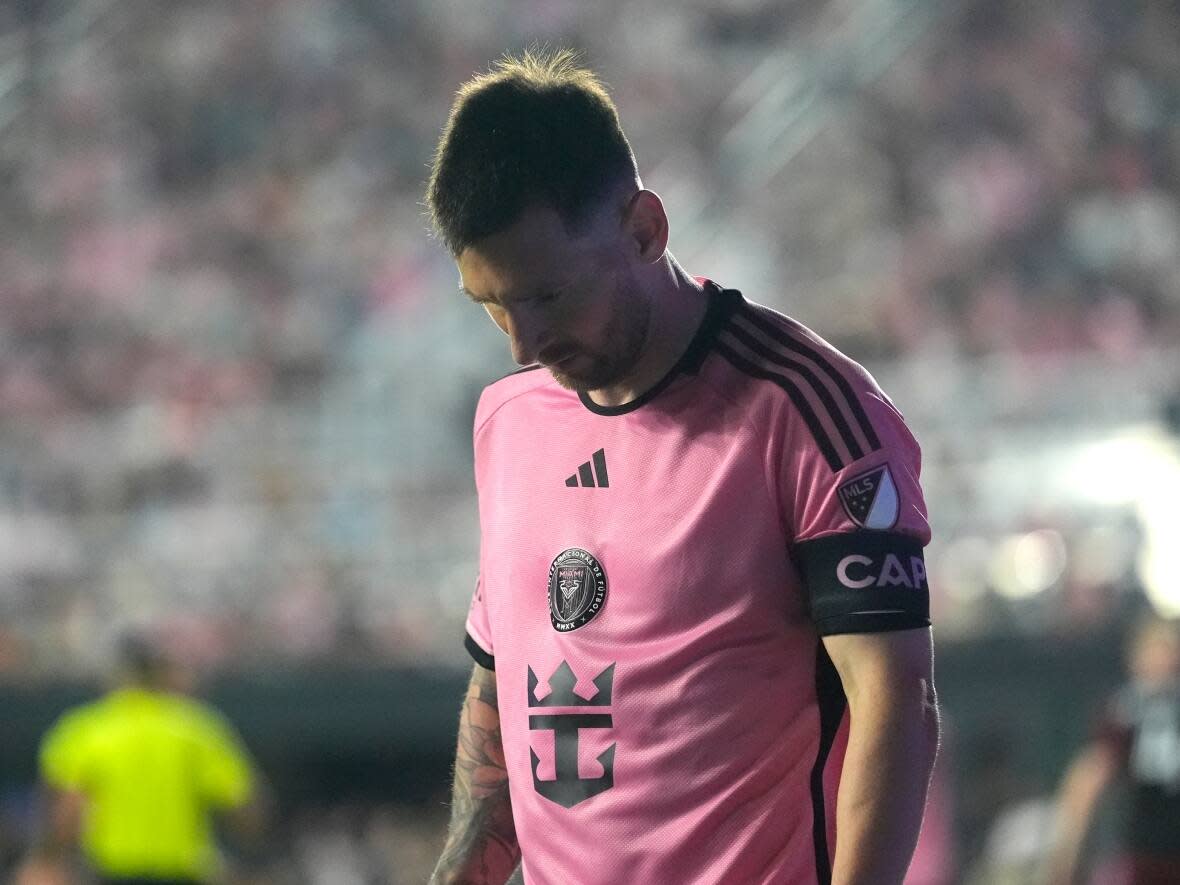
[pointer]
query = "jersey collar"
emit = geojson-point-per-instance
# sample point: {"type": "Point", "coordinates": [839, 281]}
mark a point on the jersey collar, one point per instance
{"type": "Point", "coordinates": [722, 303]}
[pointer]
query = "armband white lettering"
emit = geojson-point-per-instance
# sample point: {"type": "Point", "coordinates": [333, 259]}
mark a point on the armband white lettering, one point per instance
{"type": "Point", "coordinates": [842, 572]}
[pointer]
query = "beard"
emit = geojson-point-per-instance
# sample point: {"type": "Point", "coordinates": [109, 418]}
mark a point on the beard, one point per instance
{"type": "Point", "coordinates": [623, 340]}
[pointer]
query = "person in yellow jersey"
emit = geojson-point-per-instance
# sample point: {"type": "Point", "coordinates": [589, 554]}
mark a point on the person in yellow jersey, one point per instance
{"type": "Point", "coordinates": [136, 778]}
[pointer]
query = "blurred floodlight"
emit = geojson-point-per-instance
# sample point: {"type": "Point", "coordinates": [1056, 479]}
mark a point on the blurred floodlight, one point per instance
{"type": "Point", "coordinates": [1105, 554]}
{"type": "Point", "coordinates": [1028, 564]}
{"type": "Point", "coordinates": [1121, 469]}
{"type": "Point", "coordinates": [962, 569]}
{"type": "Point", "coordinates": [1139, 467]}
{"type": "Point", "coordinates": [1161, 521]}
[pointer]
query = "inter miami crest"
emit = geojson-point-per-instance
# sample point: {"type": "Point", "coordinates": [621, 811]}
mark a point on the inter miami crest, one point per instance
{"type": "Point", "coordinates": [870, 499]}
{"type": "Point", "coordinates": [577, 589]}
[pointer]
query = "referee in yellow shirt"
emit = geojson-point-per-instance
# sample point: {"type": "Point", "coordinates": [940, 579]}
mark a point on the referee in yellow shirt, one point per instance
{"type": "Point", "coordinates": [137, 776]}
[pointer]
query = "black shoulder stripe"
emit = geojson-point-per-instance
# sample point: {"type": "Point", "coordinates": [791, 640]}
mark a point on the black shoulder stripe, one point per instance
{"type": "Point", "coordinates": [821, 389]}
{"type": "Point", "coordinates": [800, 402]}
{"type": "Point", "coordinates": [800, 347]}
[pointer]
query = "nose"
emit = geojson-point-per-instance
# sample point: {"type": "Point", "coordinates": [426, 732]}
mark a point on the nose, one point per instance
{"type": "Point", "coordinates": [526, 335]}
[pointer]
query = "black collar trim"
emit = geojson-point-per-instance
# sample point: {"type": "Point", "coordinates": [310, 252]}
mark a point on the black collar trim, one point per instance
{"type": "Point", "coordinates": [722, 303]}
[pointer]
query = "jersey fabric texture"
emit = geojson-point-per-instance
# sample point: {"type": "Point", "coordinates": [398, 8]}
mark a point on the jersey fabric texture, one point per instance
{"type": "Point", "coordinates": [151, 766]}
{"type": "Point", "coordinates": [654, 582]}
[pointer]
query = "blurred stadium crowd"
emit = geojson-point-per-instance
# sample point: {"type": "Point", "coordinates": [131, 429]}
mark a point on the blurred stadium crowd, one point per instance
{"type": "Point", "coordinates": [236, 377]}
{"type": "Point", "coordinates": [236, 381]}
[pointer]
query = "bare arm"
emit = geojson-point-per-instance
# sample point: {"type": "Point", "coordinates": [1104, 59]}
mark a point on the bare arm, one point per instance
{"type": "Point", "coordinates": [61, 824]}
{"type": "Point", "coordinates": [481, 844]}
{"type": "Point", "coordinates": [893, 739]}
{"type": "Point", "coordinates": [58, 826]}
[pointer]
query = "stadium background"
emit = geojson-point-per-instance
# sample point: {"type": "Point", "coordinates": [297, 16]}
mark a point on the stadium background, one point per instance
{"type": "Point", "coordinates": [236, 378]}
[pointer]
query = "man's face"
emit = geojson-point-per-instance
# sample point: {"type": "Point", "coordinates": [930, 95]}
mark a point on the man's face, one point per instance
{"type": "Point", "coordinates": [568, 302]}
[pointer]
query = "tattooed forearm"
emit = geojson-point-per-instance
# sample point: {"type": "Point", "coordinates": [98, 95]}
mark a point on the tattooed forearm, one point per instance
{"type": "Point", "coordinates": [481, 844]}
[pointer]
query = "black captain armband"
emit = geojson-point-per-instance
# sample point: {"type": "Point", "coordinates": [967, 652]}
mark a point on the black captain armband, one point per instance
{"type": "Point", "coordinates": [864, 582]}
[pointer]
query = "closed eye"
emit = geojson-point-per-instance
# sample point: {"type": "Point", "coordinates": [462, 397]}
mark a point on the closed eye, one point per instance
{"type": "Point", "coordinates": [475, 299]}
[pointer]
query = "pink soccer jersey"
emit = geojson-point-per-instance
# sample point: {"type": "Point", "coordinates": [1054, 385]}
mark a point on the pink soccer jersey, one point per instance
{"type": "Point", "coordinates": [654, 582]}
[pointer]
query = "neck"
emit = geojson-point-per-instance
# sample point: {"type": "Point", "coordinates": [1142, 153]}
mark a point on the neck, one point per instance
{"type": "Point", "coordinates": [677, 309]}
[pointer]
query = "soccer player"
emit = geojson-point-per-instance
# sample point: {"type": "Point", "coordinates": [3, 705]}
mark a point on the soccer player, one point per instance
{"type": "Point", "coordinates": [137, 776]}
{"type": "Point", "coordinates": [700, 628]}
{"type": "Point", "coordinates": [1119, 803]}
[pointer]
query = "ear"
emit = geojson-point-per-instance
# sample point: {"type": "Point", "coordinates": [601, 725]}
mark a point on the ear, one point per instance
{"type": "Point", "coordinates": [646, 225]}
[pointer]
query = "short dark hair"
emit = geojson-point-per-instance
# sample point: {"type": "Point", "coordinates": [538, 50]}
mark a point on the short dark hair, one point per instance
{"type": "Point", "coordinates": [537, 130]}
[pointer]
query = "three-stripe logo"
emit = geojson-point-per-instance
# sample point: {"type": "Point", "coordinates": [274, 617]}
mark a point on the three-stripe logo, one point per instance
{"type": "Point", "coordinates": [592, 474]}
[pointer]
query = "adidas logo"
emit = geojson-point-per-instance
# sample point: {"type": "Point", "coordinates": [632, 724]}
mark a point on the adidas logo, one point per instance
{"type": "Point", "coordinates": [592, 474]}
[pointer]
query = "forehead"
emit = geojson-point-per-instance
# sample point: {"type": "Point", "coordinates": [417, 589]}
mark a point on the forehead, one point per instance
{"type": "Point", "coordinates": [536, 251]}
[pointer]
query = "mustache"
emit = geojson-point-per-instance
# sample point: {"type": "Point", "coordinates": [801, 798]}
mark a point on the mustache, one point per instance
{"type": "Point", "coordinates": [556, 355]}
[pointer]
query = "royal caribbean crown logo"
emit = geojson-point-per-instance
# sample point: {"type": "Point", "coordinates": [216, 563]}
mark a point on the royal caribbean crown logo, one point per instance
{"type": "Point", "coordinates": [575, 714]}
{"type": "Point", "coordinates": [577, 589]}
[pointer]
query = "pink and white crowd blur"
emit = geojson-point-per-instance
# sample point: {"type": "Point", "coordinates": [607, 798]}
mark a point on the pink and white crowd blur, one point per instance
{"type": "Point", "coordinates": [236, 379]}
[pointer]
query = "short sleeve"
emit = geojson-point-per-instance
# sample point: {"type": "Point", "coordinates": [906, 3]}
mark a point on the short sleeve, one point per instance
{"type": "Point", "coordinates": [859, 526]}
{"type": "Point", "coordinates": [62, 757]}
{"type": "Point", "coordinates": [227, 779]}
{"type": "Point", "coordinates": [479, 624]}
{"type": "Point", "coordinates": [479, 634]}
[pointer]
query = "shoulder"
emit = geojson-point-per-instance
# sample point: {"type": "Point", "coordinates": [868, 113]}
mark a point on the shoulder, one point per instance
{"type": "Point", "coordinates": [73, 723]}
{"type": "Point", "coordinates": [760, 341]}
{"type": "Point", "coordinates": [829, 398]}
{"type": "Point", "coordinates": [199, 720]}
{"type": "Point", "coordinates": [511, 387]}
{"type": "Point", "coordinates": [69, 741]}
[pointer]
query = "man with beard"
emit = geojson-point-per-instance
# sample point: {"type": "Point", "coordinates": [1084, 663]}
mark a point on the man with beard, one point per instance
{"type": "Point", "coordinates": [700, 626]}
